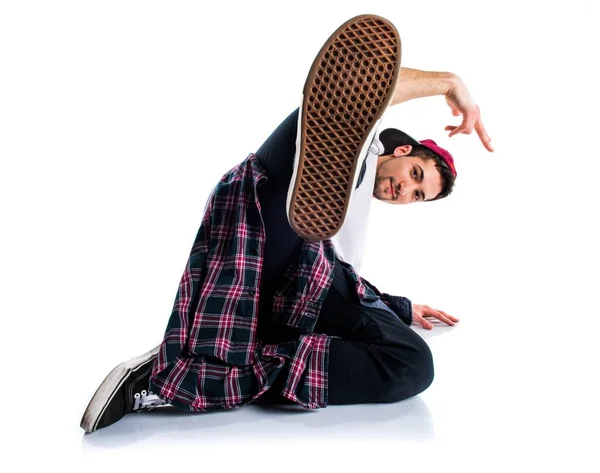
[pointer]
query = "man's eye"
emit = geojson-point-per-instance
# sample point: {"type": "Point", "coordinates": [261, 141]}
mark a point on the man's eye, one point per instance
{"type": "Point", "coordinates": [414, 173]}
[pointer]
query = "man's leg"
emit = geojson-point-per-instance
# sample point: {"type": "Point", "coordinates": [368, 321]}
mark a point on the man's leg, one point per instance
{"type": "Point", "coordinates": [276, 156]}
{"type": "Point", "coordinates": [378, 358]}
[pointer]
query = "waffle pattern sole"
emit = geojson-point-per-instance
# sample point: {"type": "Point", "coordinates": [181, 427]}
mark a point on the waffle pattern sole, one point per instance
{"type": "Point", "coordinates": [350, 84]}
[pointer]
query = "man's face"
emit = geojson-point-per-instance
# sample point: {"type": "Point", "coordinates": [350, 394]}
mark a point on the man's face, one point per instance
{"type": "Point", "coordinates": [403, 179]}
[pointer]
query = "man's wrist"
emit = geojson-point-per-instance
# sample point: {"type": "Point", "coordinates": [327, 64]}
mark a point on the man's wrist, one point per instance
{"type": "Point", "coordinates": [413, 84]}
{"type": "Point", "coordinates": [452, 81]}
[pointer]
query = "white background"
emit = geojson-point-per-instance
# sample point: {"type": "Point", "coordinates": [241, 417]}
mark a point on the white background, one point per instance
{"type": "Point", "coordinates": [118, 117]}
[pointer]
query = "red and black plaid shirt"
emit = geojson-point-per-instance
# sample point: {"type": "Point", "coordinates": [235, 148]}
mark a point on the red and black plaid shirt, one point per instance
{"type": "Point", "coordinates": [210, 356]}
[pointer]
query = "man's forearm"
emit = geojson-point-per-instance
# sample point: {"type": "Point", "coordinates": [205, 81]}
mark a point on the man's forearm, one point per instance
{"type": "Point", "coordinates": [413, 83]}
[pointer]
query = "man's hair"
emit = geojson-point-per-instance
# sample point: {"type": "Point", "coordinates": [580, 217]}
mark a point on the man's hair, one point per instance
{"type": "Point", "coordinates": [447, 177]}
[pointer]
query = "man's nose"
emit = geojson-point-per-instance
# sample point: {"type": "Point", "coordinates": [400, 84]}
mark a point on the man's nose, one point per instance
{"type": "Point", "coordinates": [404, 189]}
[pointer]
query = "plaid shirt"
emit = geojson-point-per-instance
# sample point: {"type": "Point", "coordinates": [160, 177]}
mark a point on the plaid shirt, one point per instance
{"type": "Point", "coordinates": [210, 356]}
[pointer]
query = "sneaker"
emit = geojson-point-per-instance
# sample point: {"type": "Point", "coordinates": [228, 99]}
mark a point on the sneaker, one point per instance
{"type": "Point", "coordinates": [124, 390]}
{"type": "Point", "coordinates": [349, 86]}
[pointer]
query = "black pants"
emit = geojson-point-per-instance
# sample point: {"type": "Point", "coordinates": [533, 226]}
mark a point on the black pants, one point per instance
{"type": "Point", "coordinates": [378, 358]}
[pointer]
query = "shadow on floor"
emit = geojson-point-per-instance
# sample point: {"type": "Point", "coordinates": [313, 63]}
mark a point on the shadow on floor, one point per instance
{"type": "Point", "coordinates": [409, 419]}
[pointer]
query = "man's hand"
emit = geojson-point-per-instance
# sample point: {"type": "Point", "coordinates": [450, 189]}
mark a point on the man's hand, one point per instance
{"type": "Point", "coordinates": [413, 84]}
{"type": "Point", "coordinates": [419, 313]}
{"type": "Point", "coordinates": [461, 103]}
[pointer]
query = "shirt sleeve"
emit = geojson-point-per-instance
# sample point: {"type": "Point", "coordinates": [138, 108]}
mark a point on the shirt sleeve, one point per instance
{"type": "Point", "coordinates": [401, 306]}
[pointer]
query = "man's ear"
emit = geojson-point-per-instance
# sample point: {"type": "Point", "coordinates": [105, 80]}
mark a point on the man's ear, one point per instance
{"type": "Point", "coordinates": [402, 150]}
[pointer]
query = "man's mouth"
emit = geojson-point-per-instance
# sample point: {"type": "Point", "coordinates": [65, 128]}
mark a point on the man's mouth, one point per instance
{"type": "Point", "coordinates": [392, 189]}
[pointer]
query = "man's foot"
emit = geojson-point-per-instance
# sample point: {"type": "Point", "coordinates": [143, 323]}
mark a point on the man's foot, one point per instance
{"type": "Point", "coordinates": [350, 84]}
{"type": "Point", "coordinates": [124, 390]}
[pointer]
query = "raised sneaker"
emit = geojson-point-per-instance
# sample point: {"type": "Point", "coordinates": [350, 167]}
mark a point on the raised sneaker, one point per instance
{"type": "Point", "coordinates": [349, 87]}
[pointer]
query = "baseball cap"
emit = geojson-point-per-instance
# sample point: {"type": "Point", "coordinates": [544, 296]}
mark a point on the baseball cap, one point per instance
{"type": "Point", "coordinates": [391, 138]}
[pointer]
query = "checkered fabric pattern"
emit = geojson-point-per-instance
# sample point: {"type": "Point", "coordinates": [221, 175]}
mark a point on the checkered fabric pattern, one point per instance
{"type": "Point", "coordinates": [210, 357]}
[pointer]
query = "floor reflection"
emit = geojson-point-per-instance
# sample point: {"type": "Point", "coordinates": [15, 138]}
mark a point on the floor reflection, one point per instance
{"type": "Point", "coordinates": [406, 420]}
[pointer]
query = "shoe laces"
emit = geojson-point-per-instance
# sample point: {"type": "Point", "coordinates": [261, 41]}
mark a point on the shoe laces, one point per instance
{"type": "Point", "coordinates": [146, 401]}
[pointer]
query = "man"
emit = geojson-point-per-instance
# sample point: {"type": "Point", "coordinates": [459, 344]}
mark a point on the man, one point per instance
{"type": "Point", "coordinates": [270, 307]}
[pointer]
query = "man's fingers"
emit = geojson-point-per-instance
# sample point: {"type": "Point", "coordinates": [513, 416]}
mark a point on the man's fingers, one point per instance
{"type": "Point", "coordinates": [459, 129]}
{"type": "Point", "coordinates": [422, 322]}
{"type": "Point", "coordinates": [422, 311]}
{"type": "Point", "coordinates": [441, 316]}
{"type": "Point", "coordinates": [438, 315]}
{"type": "Point", "coordinates": [425, 324]}
{"type": "Point", "coordinates": [465, 127]}
{"type": "Point", "coordinates": [471, 120]}
{"type": "Point", "coordinates": [483, 136]}
{"type": "Point", "coordinates": [451, 317]}
{"type": "Point", "coordinates": [453, 130]}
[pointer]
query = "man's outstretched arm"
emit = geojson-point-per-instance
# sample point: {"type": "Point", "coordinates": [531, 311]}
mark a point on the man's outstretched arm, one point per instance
{"type": "Point", "coordinates": [413, 83]}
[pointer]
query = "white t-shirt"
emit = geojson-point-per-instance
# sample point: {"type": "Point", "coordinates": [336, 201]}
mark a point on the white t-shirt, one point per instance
{"type": "Point", "coordinates": [349, 242]}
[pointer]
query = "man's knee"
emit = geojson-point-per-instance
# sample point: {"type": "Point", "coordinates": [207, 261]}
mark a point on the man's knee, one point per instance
{"type": "Point", "coordinates": [423, 368]}
{"type": "Point", "coordinates": [415, 374]}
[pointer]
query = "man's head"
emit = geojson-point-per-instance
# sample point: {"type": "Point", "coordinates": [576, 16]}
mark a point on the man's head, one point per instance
{"type": "Point", "coordinates": [411, 171]}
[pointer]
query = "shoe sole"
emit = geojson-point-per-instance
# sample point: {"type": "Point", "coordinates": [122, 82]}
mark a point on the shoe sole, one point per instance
{"type": "Point", "coordinates": [111, 384]}
{"type": "Point", "coordinates": [349, 86]}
